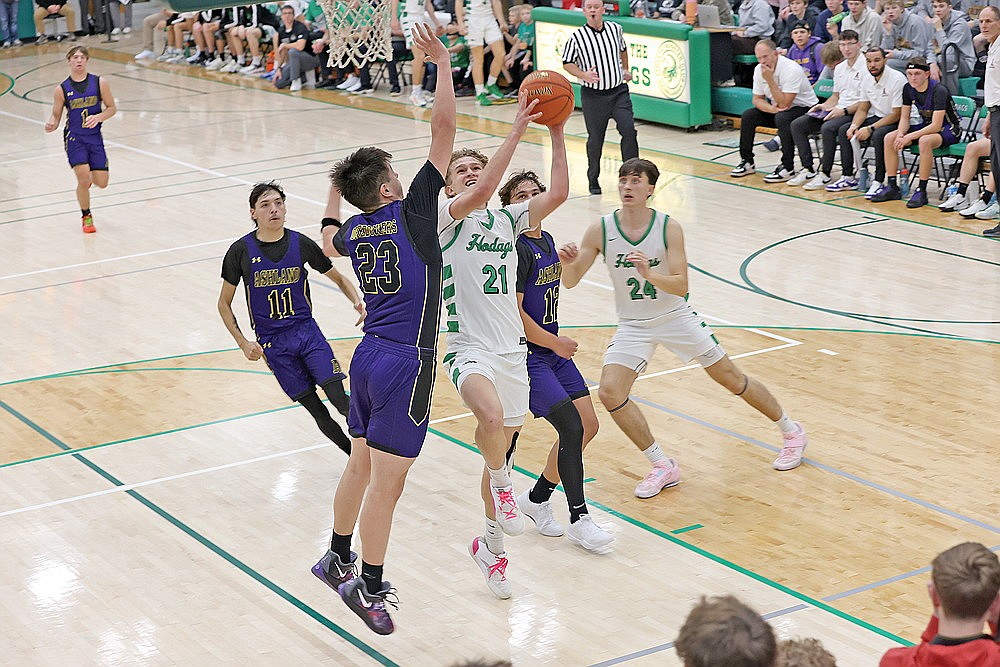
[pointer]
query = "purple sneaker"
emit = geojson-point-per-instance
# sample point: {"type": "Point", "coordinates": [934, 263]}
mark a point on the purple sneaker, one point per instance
{"type": "Point", "coordinates": [370, 608]}
{"type": "Point", "coordinates": [333, 572]}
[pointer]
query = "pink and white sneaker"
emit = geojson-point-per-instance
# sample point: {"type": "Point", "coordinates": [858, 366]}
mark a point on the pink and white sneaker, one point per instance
{"type": "Point", "coordinates": [494, 567]}
{"type": "Point", "coordinates": [508, 514]}
{"type": "Point", "coordinates": [662, 476]}
{"type": "Point", "coordinates": [791, 453]}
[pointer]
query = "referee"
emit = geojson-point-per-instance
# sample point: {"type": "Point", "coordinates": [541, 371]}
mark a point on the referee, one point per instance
{"type": "Point", "coordinates": [595, 53]}
{"type": "Point", "coordinates": [989, 25]}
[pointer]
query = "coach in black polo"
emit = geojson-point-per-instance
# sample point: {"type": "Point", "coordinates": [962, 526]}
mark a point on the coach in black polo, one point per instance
{"type": "Point", "coordinates": [596, 54]}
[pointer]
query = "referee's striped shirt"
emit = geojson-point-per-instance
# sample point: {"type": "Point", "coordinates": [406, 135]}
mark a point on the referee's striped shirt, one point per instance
{"type": "Point", "coordinates": [598, 49]}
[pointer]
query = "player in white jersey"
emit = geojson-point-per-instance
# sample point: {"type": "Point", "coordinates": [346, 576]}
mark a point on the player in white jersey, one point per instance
{"type": "Point", "coordinates": [487, 350]}
{"type": "Point", "coordinates": [644, 252]}
{"type": "Point", "coordinates": [481, 22]}
{"type": "Point", "coordinates": [414, 12]}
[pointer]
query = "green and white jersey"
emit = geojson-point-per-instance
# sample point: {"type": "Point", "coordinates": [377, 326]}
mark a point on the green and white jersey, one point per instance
{"type": "Point", "coordinates": [412, 10]}
{"type": "Point", "coordinates": [478, 9]}
{"type": "Point", "coordinates": [635, 297]}
{"type": "Point", "coordinates": [479, 277]}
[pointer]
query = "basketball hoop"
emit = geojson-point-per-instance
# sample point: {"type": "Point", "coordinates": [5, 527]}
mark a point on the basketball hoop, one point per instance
{"type": "Point", "coordinates": [359, 31]}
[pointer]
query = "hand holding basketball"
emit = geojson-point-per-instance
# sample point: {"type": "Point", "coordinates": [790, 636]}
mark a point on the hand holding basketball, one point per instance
{"type": "Point", "coordinates": [526, 112]}
{"type": "Point", "coordinates": [553, 93]}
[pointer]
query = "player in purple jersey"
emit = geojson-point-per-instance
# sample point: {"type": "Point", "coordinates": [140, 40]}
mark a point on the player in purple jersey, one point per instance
{"type": "Point", "coordinates": [88, 102]}
{"type": "Point", "coordinates": [557, 390]}
{"type": "Point", "coordinates": [271, 262]}
{"type": "Point", "coordinates": [393, 246]}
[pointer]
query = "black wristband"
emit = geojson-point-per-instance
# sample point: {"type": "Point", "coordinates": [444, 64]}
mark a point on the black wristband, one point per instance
{"type": "Point", "coordinates": [330, 221]}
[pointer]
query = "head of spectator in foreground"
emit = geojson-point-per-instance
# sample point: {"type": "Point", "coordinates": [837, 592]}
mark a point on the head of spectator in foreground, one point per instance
{"type": "Point", "coordinates": [724, 631]}
{"type": "Point", "coordinates": [521, 186]}
{"type": "Point", "coordinates": [941, 9]}
{"type": "Point", "coordinates": [918, 72]}
{"type": "Point", "coordinates": [849, 44]}
{"type": "Point", "coordinates": [989, 22]}
{"type": "Point", "coordinates": [875, 57]}
{"type": "Point", "coordinates": [806, 652]}
{"type": "Point", "coordinates": [893, 9]}
{"type": "Point", "coordinates": [830, 55]}
{"type": "Point", "coordinates": [767, 52]}
{"type": "Point", "coordinates": [366, 179]}
{"type": "Point", "coordinates": [856, 8]}
{"type": "Point", "coordinates": [288, 16]}
{"type": "Point", "coordinates": [965, 583]}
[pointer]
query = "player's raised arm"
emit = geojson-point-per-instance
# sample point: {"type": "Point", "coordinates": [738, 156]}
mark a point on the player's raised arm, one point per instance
{"type": "Point", "coordinates": [577, 260]}
{"type": "Point", "coordinates": [548, 201]}
{"type": "Point", "coordinates": [443, 112]}
{"type": "Point", "coordinates": [331, 221]}
{"type": "Point", "coordinates": [489, 180]}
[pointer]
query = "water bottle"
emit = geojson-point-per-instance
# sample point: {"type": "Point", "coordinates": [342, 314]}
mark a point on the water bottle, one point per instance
{"type": "Point", "coordinates": [864, 178]}
{"type": "Point", "coordinates": [690, 11]}
{"type": "Point", "coordinates": [837, 18]}
{"type": "Point", "coordinates": [950, 192]}
{"type": "Point", "coordinates": [904, 182]}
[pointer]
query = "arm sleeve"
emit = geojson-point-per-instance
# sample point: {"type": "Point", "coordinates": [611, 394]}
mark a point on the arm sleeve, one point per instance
{"type": "Point", "coordinates": [232, 269]}
{"type": "Point", "coordinates": [420, 209]}
{"type": "Point", "coordinates": [524, 262]}
{"type": "Point", "coordinates": [941, 99]}
{"type": "Point", "coordinates": [907, 96]}
{"type": "Point", "coordinates": [313, 255]}
{"type": "Point", "coordinates": [338, 242]}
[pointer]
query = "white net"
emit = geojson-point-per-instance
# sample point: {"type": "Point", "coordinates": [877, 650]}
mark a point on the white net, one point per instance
{"type": "Point", "coordinates": [359, 31]}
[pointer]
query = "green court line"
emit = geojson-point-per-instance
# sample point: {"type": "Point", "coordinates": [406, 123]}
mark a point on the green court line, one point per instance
{"type": "Point", "coordinates": [10, 83]}
{"type": "Point", "coordinates": [685, 529]}
{"type": "Point", "coordinates": [922, 247]}
{"type": "Point", "coordinates": [212, 546]}
{"type": "Point", "coordinates": [589, 479]}
{"type": "Point", "coordinates": [707, 554]}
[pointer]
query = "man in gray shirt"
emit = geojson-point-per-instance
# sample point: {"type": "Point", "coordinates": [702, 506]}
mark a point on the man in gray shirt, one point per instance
{"type": "Point", "coordinates": [951, 55]}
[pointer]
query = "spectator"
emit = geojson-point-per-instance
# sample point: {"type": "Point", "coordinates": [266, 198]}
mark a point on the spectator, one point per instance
{"type": "Point", "coordinates": [794, 14]}
{"type": "Point", "coordinates": [905, 35]}
{"type": "Point", "coordinates": [989, 22]}
{"type": "Point", "coordinates": [519, 61]}
{"type": "Point", "coordinates": [975, 151]}
{"type": "Point", "coordinates": [877, 115]}
{"type": "Point", "coordinates": [937, 127]}
{"type": "Point", "coordinates": [293, 54]}
{"type": "Point", "coordinates": [152, 24]}
{"type": "Point", "coordinates": [864, 21]}
{"type": "Point", "coordinates": [460, 74]}
{"type": "Point", "coordinates": [756, 23]}
{"type": "Point", "coordinates": [781, 93]}
{"type": "Point", "coordinates": [45, 8]}
{"type": "Point", "coordinates": [830, 56]}
{"type": "Point", "coordinates": [8, 23]}
{"type": "Point", "coordinates": [833, 9]}
{"type": "Point", "coordinates": [951, 45]}
{"type": "Point", "coordinates": [724, 631]}
{"type": "Point", "coordinates": [123, 10]}
{"type": "Point", "coordinates": [805, 51]}
{"type": "Point", "coordinates": [411, 13]}
{"type": "Point", "coordinates": [828, 118]}
{"type": "Point", "coordinates": [965, 592]}
{"type": "Point", "coordinates": [483, 26]}
{"type": "Point", "coordinates": [807, 652]}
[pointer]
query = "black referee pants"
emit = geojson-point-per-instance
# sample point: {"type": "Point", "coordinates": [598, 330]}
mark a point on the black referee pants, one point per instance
{"type": "Point", "coordinates": [600, 106]}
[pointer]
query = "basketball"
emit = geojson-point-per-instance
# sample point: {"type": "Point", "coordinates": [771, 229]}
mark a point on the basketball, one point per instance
{"type": "Point", "coordinates": [554, 95]}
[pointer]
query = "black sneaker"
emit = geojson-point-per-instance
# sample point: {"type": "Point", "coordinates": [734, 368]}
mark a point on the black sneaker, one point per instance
{"type": "Point", "coordinates": [779, 175]}
{"type": "Point", "coordinates": [992, 233]}
{"type": "Point", "coordinates": [370, 608]}
{"type": "Point", "coordinates": [917, 199]}
{"type": "Point", "coordinates": [887, 193]}
{"type": "Point", "coordinates": [333, 572]}
{"type": "Point", "coordinates": [595, 189]}
{"type": "Point", "coordinates": [744, 168]}
{"type": "Point", "coordinates": [395, 91]}
{"type": "Point", "coordinates": [363, 91]}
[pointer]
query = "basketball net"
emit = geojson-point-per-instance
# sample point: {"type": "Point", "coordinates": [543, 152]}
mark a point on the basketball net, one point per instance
{"type": "Point", "coordinates": [359, 31]}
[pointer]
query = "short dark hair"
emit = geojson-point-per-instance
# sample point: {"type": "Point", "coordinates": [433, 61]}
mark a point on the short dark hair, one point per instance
{"type": "Point", "coordinates": [875, 49]}
{"type": "Point", "coordinates": [515, 180]}
{"type": "Point", "coordinates": [918, 62]}
{"type": "Point", "coordinates": [724, 631]}
{"type": "Point", "coordinates": [967, 579]}
{"type": "Point", "coordinates": [637, 166]}
{"type": "Point", "coordinates": [260, 189]}
{"type": "Point", "coordinates": [360, 175]}
{"type": "Point", "coordinates": [849, 36]}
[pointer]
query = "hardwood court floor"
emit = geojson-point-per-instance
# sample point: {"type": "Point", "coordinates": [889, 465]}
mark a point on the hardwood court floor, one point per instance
{"type": "Point", "coordinates": [161, 502]}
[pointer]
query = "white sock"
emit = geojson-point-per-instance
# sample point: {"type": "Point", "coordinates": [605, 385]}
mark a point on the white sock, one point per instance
{"type": "Point", "coordinates": [491, 80]}
{"type": "Point", "coordinates": [480, 89]}
{"type": "Point", "coordinates": [418, 89]}
{"type": "Point", "coordinates": [493, 537]}
{"type": "Point", "coordinates": [255, 62]}
{"type": "Point", "coordinates": [786, 424]}
{"type": "Point", "coordinates": [655, 454]}
{"type": "Point", "coordinates": [499, 478]}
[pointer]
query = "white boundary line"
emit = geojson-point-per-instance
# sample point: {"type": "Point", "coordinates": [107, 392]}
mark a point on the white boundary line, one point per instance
{"type": "Point", "coordinates": [158, 480]}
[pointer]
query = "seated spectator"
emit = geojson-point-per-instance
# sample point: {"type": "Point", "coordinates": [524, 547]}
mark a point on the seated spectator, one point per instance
{"type": "Point", "coordinates": [951, 45]}
{"type": "Point", "coordinates": [724, 631]}
{"type": "Point", "coordinates": [44, 8]}
{"type": "Point", "coordinates": [975, 151]}
{"type": "Point", "coordinates": [825, 18]}
{"type": "Point", "coordinates": [293, 55]}
{"type": "Point", "coordinates": [151, 25]}
{"type": "Point", "coordinates": [461, 75]}
{"type": "Point", "coordinates": [203, 34]}
{"type": "Point", "coordinates": [178, 25]}
{"type": "Point", "coordinates": [938, 126]}
{"type": "Point", "coordinates": [519, 61]}
{"type": "Point", "coordinates": [411, 13]}
{"type": "Point", "coordinates": [794, 14]}
{"type": "Point", "coordinates": [805, 51]}
{"type": "Point", "coordinates": [756, 23]}
{"type": "Point", "coordinates": [781, 93]}
{"type": "Point", "coordinates": [830, 56]}
{"type": "Point", "coordinates": [864, 21]}
{"type": "Point", "coordinates": [965, 592]}
{"type": "Point", "coordinates": [807, 652]}
{"type": "Point", "coordinates": [828, 118]}
{"type": "Point", "coordinates": [905, 35]}
{"type": "Point", "coordinates": [876, 116]}
{"type": "Point", "coordinates": [256, 24]}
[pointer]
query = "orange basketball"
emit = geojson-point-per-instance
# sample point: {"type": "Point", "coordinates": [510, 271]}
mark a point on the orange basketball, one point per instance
{"type": "Point", "coordinates": [554, 95]}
